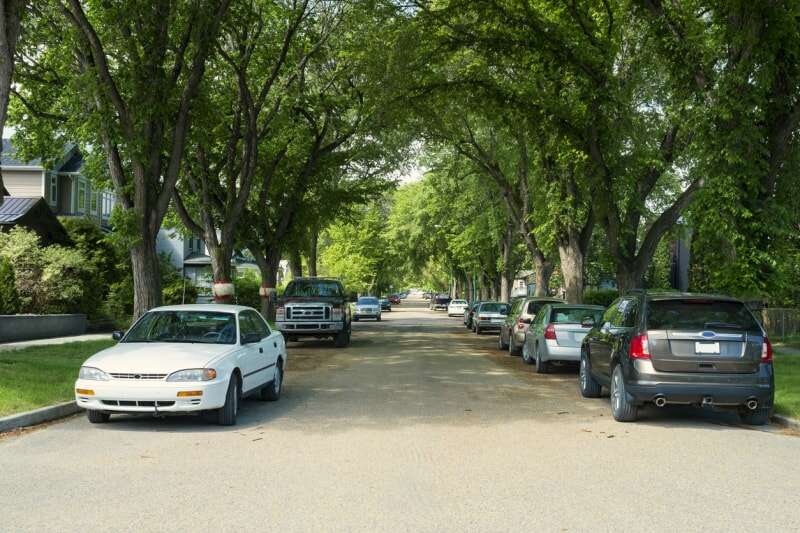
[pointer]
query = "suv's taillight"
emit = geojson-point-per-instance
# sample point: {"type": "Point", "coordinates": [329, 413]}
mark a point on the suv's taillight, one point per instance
{"type": "Point", "coordinates": [550, 332]}
{"type": "Point", "coordinates": [766, 351]}
{"type": "Point", "coordinates": [639, 347]}
{"type": "Point", "coordinates": [280, 313]}
{"type": "Point", "coordinates": [521, 323]}
{"type": "Point", "coordinates": [337, 313]}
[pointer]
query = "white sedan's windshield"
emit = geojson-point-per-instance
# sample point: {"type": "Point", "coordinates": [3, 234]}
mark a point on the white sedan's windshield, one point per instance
{"type": "Point", "coordinates": [206, 327]}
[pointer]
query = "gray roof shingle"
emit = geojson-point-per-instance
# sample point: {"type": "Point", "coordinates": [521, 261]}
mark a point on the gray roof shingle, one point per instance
{"type": "Point", "coordinates": [14, 208]}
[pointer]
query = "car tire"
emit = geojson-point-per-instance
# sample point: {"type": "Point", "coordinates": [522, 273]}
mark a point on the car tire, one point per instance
{"type": "Point", "coordinates": [526, 355]}
{"type": "Point", "coordinates": [342, 339]}
{"type": "Point", "coordinates": [478, 330]}
{"type": "Point", "coordinates": [500, 344]}
{"type": "Point", "coordinates": [759, 417]}
{"type": "Point", "coordinates": [226, 415]}
{"type": "Point", "coordinates": [271, 392]}
{"type": "Point", "coordinates": [355, 318]}
{"type": "Point", "coordinates": [621, 408]}
{"type": "Point", "coordinates": [513, 349]}
{"type": "Point", "coordinates": [542, 367]}
{"type": "Point", "coordinates": [97, 417]}
{"type": "Point", "coordinates": [379, 318]}
{"type": "Point", "coordinates": [589, 386]}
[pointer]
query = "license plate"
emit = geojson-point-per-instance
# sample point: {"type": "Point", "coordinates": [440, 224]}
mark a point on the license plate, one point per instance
{"type": "Point", "coordinates": [707, 347]}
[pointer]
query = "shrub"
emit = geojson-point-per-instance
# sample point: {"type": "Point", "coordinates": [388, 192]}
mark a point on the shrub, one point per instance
{"type": "Point", "coordinates": [602, 297]}
{"type": "Point", "coordinates": [247, 286]}
{"type": "Point", "coordinates": [65, 278]}
{"type": "Point", "coordinates": [21, 248]}
{"type": "Point", "coordinates": [9, 298]}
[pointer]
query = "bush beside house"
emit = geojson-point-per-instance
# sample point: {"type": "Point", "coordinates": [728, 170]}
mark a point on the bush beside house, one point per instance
{"type": "Point", "coordinates": [9, 297]}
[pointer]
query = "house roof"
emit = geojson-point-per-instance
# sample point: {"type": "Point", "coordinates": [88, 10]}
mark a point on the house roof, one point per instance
{"type": "Point", "coordinates": [197, 259]}
{"type": "Point", "coordinates": [14, 208]}
{"type": "Point", "coordinates": [71, 159]}
{"type": "Point", "coordinates": [8, 157]}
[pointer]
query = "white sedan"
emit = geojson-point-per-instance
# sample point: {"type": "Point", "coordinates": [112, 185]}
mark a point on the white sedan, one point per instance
{"type": "Point", "coordinates": [185, 358]}
{"type": "Point", "coordinates": [456, 307]}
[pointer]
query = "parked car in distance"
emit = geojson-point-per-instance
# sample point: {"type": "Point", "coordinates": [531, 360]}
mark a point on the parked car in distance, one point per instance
{"type": "Point", "coordinates": [394, 299]}
{"type": "Point", "coordinates": [386, 305]}
{"type": "Point", "coordinates": [556, 334]}
{"type": "Point", "coordinates": [440, 302]}
{"type": "Point", "coordinates": [489, 316]}
{"type": "Point", "coordinates": [513, 329]}
{"type": "Point", "coordinates": [456, 307]}
{"type": "Point", "coordinates": [183, 359]}
{"type": "Point", "coordinates": [673, 348]}
{"type": "Point", "coordinates": [314, 307]}
{"type": "Point", "coordinates": [469, 312]}
{"type": "Point", "coordinates": [367, 307]}
{"type": "Point", "coordinates": [427, 295]}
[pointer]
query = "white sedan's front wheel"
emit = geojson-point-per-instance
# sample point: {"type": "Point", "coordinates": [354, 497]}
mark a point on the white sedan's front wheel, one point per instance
{"type": "Point", "coordinates": [226, 415]}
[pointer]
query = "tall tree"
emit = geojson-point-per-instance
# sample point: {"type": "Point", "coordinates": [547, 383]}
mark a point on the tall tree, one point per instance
{"type": "Point", "coordinates": [123, 78]}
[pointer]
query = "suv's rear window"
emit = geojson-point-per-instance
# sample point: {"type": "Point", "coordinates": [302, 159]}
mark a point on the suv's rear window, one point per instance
{"type": "Point", "coordinates": [313, 288]}
{"type": "Point", "coordinates": [574, 315]}
{"type": "Point", "coordinates": [699, 315]}
{"type": "Point", "coordinates": [494, 308]}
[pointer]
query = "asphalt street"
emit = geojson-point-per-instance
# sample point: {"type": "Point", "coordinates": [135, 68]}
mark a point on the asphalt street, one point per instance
{"type": "Point", "coordinates": [420, 425]}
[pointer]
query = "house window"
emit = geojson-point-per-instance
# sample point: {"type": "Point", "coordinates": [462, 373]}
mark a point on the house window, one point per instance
{"type": "Point", "coordinates": [81, 196]}
{"type": "Point", "coordinates": [53, 190]}
{"type": "Point", "coordinates": [94, 202]}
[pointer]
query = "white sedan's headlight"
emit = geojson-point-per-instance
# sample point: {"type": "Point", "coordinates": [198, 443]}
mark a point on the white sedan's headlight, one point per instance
{"type": "Point", "coordinates": [88, 372]}
{"type": "Point", "coordinates": [193, 374]}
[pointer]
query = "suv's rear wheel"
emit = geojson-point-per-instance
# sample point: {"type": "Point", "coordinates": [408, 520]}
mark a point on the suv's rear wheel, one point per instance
{"type": "Point", "coordinates": [589, 386]}
{"type": "Point", "coordinates": [542, 367]}
{"type": "Point", "coordinates": [526, 354]}
{"type": "Point", "coordinates": [622, 409]}
{"type": "Point", "coordinates": [513, 349]}
{"type": "Point", "coordinates": [757, 417]}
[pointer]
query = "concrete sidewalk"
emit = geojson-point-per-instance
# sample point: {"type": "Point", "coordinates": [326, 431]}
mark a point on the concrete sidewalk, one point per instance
{"type": "Point", "coordinates": [54, 340]}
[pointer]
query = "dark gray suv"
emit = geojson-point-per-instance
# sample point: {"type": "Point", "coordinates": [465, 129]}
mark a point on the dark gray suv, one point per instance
{"type": "Point", "coordinates": [673, 348]}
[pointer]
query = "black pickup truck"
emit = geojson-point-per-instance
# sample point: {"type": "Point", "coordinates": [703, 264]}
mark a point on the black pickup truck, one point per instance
{"type": "Point", "coordinates": [314, 307]}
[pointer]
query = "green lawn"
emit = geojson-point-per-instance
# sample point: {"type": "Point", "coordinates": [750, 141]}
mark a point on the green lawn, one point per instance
{"type": "Point", "coordinates": [787, 385]}
{"type": "Point", "coordinates": [42, 375]}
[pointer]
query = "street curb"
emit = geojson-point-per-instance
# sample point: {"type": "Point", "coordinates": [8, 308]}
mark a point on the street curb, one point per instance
{"type": "Point", "coordinates": [786, 421]}
{"type": "Point", "coordinates": [37, 416]}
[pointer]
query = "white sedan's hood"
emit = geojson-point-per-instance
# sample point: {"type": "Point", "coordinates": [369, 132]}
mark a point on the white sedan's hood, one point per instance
{"type": "Point", "coordinates": [156, 357]}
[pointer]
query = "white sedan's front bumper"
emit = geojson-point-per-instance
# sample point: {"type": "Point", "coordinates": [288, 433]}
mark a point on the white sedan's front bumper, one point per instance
{"type": "Point", "coordinates": [146, 396]}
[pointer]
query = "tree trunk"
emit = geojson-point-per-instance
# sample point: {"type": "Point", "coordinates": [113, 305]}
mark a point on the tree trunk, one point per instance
{"type": "Point", "coordinates": [572, 260]}
{"type": "Point", "coordinates": [629, 276]}
{"type": "Point", "coordinates": [269, 281]}
{"type": "Point", "coordinates": [222, 272]}
{"type": "Point", "coordinates": [506, 278]}
{"type": "Point", "coordinates": [146, 276]}
{"type": "Point", "coordinates": [312, 253]}
{"type": "Point", "coordinates": [10, 13]}
{"type": "Point", "coordinates": [296, 263]}
{"type": "Point", "coordinates": [470, 288]}
{"type": "Point", "coordinates": [542, 270]}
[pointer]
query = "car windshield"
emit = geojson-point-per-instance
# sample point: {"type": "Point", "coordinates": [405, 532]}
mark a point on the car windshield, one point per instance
{"type": "Point", "coordinates": [459, 302]}
{"type": "Point", "coordinates": [574, 315]}
{"type": "Point", "coordinates": [365, 300]}
{"type": "Point", "coordinates": [313, 288]}
{"type": "Point", "coordinates": [494, 308]}
{"type": "Point", "coordinates": [699, 315]}
{"type": "Point", "coordinates": [205, 327]}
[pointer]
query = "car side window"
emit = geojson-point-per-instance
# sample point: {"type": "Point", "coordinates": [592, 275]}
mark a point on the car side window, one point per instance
{"type": "Point", "coordinates": [610, 315]}
{"type": "Point", "coordinates": [629, 316]}
{"type": "Point", "coordinates": [623, 310]}
{"type": "Point", "coordinates": [540, 316]}
{"type": "Point", "coordinates": [246, 325]}
{"type": "Point", "coordinates": [259, 323]}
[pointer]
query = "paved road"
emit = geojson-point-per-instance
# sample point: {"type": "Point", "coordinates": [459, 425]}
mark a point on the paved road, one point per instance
{"type": "Point", "coordinates": [418, 426]}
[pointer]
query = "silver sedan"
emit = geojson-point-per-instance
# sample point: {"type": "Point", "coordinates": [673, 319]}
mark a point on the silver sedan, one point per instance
{"type": "Point", "coordinates": [556, 334]}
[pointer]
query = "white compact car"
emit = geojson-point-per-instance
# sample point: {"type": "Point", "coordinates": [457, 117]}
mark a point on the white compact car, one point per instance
{"type": "Point", "coordinates": [367, 307]}
{"type": "Point", "coordinates": [456, 307]}
{"type": "Point", "coordinates": [185, 358]}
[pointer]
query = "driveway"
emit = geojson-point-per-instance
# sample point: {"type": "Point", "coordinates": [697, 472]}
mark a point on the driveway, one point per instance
{"type": "Point", "coordinates": [418, 426]}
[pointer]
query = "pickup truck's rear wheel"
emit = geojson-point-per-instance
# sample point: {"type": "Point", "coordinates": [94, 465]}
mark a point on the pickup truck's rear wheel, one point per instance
{"type": "Point", "coordinates": [342, 338]}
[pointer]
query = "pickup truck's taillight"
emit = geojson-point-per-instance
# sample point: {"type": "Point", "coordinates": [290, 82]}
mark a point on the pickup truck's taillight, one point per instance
{"type": "Point", "coordinates": [337, 313]}
{"type": "Point", "coordinates": [280, 313]}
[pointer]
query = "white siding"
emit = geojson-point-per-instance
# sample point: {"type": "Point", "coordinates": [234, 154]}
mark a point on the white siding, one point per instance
{"type": "Point", "coordinates": [24, 182]}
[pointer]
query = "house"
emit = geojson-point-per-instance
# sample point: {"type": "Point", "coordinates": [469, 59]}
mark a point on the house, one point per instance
{"type": "Point", "coordinates": [61, 184]}
{"type": "Point", "coordinates": [34, 214]}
